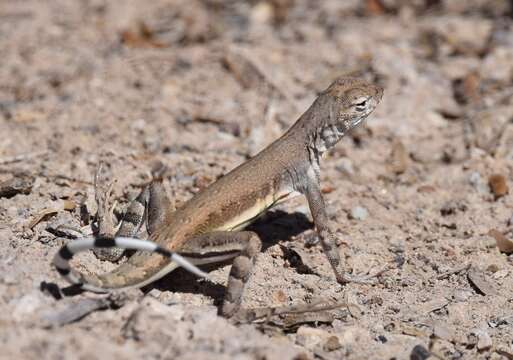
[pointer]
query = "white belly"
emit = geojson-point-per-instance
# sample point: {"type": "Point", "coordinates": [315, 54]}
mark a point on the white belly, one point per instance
{"type": "Point", "coordinates": [261, 205]}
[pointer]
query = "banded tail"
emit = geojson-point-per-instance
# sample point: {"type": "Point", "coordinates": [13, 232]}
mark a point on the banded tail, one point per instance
{"type": "Point", "coordinates": [62, 259]}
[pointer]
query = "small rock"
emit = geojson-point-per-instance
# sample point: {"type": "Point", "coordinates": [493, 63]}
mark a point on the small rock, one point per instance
{"type": "Point", "coordinates": [332, 344]}
{"type": "Point", "coordinates": [327, 189]}
{"type": "Point", "coordinates": [480, 282]}
{"type": "Point", "coordinates": [382, 339]}
{"type": "Point", "coordinates": [65, 225]}
{"type": "Point", "coordinates": [442, 332]}
{"type": "Point", "coordinates": [498, 185]}
{"type": "Point", "coordinates": [359, 213]}
{"type": "Point", "coordinates": [504, 244]}
{"type": "Point", "coordinates": [426, 189]}
{"type": "Point", "coordinates": [311, 337]}
{"type": "Point", "coordinates": [354, 335]}
{"type": "Point", "coordinates": [345, 166]}
{"type": "Point", "coordinates": [478, 183]}
{"type": "Point", "coordinates": [487, 128]}
{"type": "Point", "coordinates": [399, 158]}
{"type": "Point", "coordinates": [462, 295]}
{"type": "Point", "coordinates": [472, 339]}
{"type": "Point", "coordinates": [262, 13]}
{"type": "Point", "coordinates": [139, 125]}
{"type": "Point", "coordinates": [484, 341]}
{"type": "Point", "coordinates": [419, 352]}
{"type": "Point", "coordinates": [493, 268]}
{"type": "Point", "coordinates": [20, 184]}
{"type": "Point", "coordinates": [475, 179]}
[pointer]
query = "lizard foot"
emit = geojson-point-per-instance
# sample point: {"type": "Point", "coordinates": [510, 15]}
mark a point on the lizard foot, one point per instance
{"type": "Point", "coordinates": [311, 240]}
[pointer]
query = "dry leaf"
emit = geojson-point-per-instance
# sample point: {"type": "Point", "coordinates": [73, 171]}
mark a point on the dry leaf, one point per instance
{"type": "Point", "coordinates": [478, 279]}
{"type": "Point", "coordinates": [411, 330]}
{"type": "Point", "coordinates": [426, 189]}
{"type": "Point", "coordinates": [50, 211]}
{"type": "Point", "coordinates": [504, 244]}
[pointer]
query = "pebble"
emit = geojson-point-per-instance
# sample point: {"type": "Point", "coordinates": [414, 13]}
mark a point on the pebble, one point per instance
{"type": "Point", "coordinates": [345, 166]}
{"type": "Point", "coordinates": [504, 243]}
{"type": "Point", "coordinates": [462, 295]}
{"type": "Point", "coordinates": [419, 352]}
{"type": "Point", "coordinates": [399, 158]}
{"type": "Point", "coordinates": [261, 13]}
{"type": "Point", "coordinates": [498, 185]}
{"type": "Point", "coordinates": [484, 341]}
{"type": "Point", "coordinates": [475, 178]}
{"type": "Point", "coordinates": [139, 125]}
{"type": "Point", "coordinates": [359, 213]}
{"type": "Point", "coordinates": [442, 332]}
{"type": "Point", "coordinates": [477, 182]}
{"type": "Point", "coordinates": [333, 343]}
{"type": "Point", "coordinates": [311, 337]}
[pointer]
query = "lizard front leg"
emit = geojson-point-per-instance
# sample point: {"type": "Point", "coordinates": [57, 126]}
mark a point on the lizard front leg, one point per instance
{"type": "Point", "coordinates": [327, 238]}
{"type": "Point", "coordinates": [219, 246]}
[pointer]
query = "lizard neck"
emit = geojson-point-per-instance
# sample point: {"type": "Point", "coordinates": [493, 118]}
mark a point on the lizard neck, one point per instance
{"type": "Point", "coordinates": [317, 128]}
{"type": "Point", "coordinates": [324, 138]}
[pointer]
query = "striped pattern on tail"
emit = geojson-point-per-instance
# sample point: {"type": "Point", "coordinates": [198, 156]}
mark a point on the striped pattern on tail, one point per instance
{"type": "Point", "coordinates": [62, 259]}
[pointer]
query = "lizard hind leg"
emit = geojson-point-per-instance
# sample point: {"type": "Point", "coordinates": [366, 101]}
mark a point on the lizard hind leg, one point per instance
{"type": "Point", "coordinates": [219, 246]}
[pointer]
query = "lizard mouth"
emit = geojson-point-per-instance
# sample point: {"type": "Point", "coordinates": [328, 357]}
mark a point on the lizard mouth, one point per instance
{"type": "Point", "coordinates": [359, 120]}
{"type": "Point", "coordinates": [363, 116]}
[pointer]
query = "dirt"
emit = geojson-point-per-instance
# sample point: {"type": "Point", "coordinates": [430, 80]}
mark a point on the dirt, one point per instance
{"type": "Point", "coordinates": [423, 188]}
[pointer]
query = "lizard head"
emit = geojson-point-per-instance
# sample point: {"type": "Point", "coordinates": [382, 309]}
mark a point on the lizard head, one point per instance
{"type": "Point", "coordinates": [354, 100]}
{"type": "Point", "coordinates": [339, 109]}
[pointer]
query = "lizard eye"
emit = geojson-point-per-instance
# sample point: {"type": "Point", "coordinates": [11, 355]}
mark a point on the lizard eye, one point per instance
{"type": "Point", "coordinates": [361, 104]}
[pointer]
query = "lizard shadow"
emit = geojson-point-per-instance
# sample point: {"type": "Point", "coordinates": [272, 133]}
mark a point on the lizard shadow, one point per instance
{"type": "Point", "coordinates": [274, 227]}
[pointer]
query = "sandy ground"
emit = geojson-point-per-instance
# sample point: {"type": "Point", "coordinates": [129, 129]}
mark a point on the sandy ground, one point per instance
{"type": "Point", "coordinates": [423, 188]}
